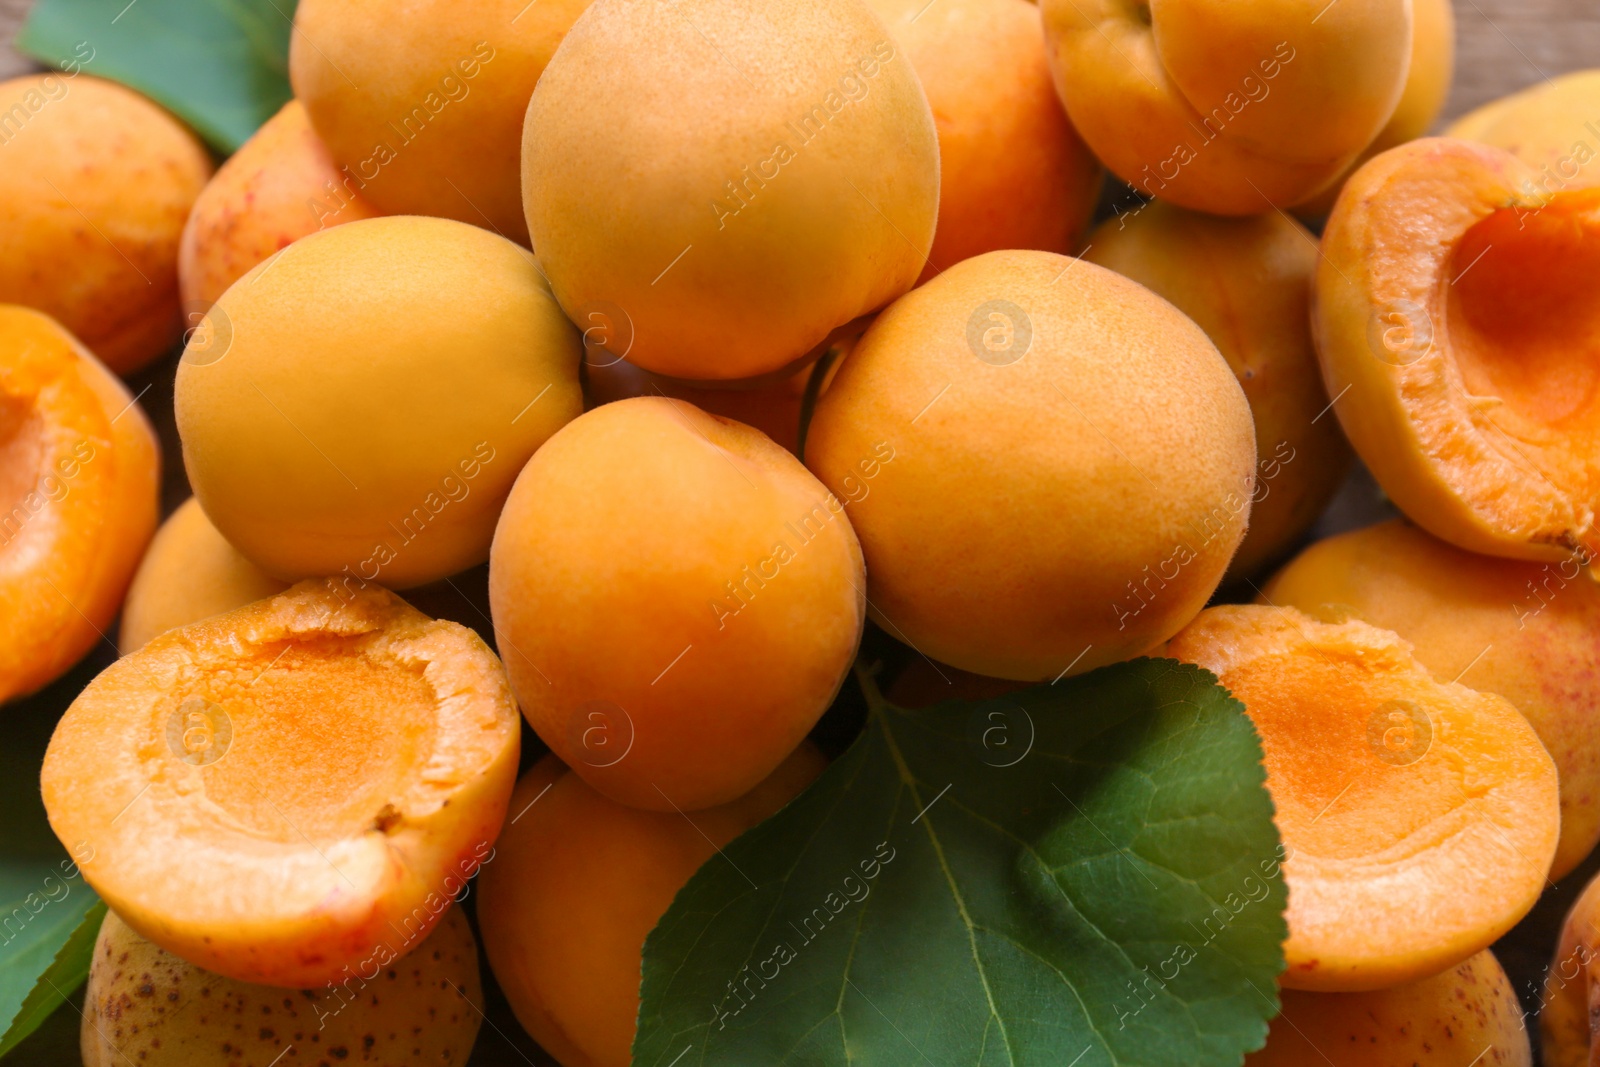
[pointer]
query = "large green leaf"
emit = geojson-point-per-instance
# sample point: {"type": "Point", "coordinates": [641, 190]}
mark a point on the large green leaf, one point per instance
{"type": "Point", "coordinates": [59, 957]}
{"type": "Point", "coordinates": [1079, 875]}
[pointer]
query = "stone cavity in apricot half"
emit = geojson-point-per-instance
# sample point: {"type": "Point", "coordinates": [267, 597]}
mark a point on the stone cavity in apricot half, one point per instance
{"type": "Point", "coordinates": [1418, 817]}
{"type": "Point", "coordinates": [290, 789]}
{"type": "Point", "coordinates": [1458, 331]}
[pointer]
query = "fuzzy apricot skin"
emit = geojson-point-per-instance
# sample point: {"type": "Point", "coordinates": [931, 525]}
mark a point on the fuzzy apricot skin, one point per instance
{"type": "Point", "coordinates": [95, 189]}
{"type": "Point", "coordinates": [678, 598]}
{"type": "Point", "coordinates": [1009, 499]}
{"type": "Point", "coordinates": [773, 218]}
{"type": "Point", "coordinates": [1247, 283]}
{"type": "Point", "coordinates": [80, 481]}
{"type": "Point", "coordinates": [1225, 107]}
{"type": "Point", "coordinates": [1550, 126]}
{"type": "Point", "coordinates": [144, 1005]}
{"type": "Point", "coordinates": [290, 789]}
{"type": "Point", "coordinates": [1013, 173]}
{"type": "Point", "coordinates": [1528, 631]}
{"type": "Point", "coordinates": [360, 404]}
{"type": "Point", "coordinates": [278, 187]}
{"type": "Point", "coordinates": [1567, 1023]}
{"type": "Point", "coordinates": [423, 113]}
{"type": "Point", "coordinates": [577, 884]}
{"type": "Point", "coordinates": [1418, 817]}
{"type": "Point", "coordinates": [1467, 1016]}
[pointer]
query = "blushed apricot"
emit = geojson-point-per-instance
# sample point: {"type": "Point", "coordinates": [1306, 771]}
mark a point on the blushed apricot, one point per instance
{"type": "Point", "coordinates": [1467, 1016]}
{"type": "Point", "coordinates": [1247, 283]}
{"type": "Point", "coordinates": [1418, 817]}
{"type": "Point", "coordinates": [1528, 631]}
{"type": "Point", "coordinates": [79, 485]}
{"type": "Point", "coordinates": [1567, 1022]}
{"type": "Point", "coordinates": [146, 1006]}
{"type": "Point", "coordinates": [95, 189]}
{"type": "Point", "coordinates": [359, 404]}
{"type": "Point", "coordinates": [1553, 127]}
{"type": "Point", "coordinates": [1013, 173]}
{"type": "Point", "coordinates": [577, 884]}
{"type": "Point", "coordinates": [678, 600]}
{"type": "Point", "coordinates": [1048, 466]}
{"type": "Point", "coordinates": [188, 573]}
{"type": "Point", "coordinates": [287, 792]}
{"type": "Point", "coordinates": [1455, 324]}
{"type": "Point", "coordinates": [775, 216]}
{"type": "Point", "coordinates": [279, 186]}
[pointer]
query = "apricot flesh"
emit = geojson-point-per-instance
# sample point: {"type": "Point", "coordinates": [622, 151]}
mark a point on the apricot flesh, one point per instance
{"type": "Point", "coordinates": [289, 789]}
{"type": "Point", "coordinates": [1550, 126]}
{"type": "Point", "coordinates": [1567, 1022]}
{"type": "Point", "coordinates": [1419, 817]}
{"type": "Point", "coordinates": [1527, 631]}
{"type": "Point", "coordinates": [79, 489]}
{"type": "Point", "coordinates": [578, 883]}
{"type": "Point", "coordinates": [678, 600]}
{"type": "Point", "coordinates": [146, 1006]}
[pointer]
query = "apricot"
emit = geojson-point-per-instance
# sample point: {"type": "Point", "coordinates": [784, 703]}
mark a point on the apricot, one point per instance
{"type": "Point", "coordinates": [678, 600]}
{"type": "Point", "coordinates": [1467, 1016]}
{"type": "Point", "coordinates": [1049, 467]}
{"type": "Point", "coordinates": [1418, 817]}
{"type": "Point", "coordinates": [782, 212]}
{"type": "Point", "coordinates": [1567, 1022]}
{"type": "Point", "coordinates": [95, 189]}
{"type": "Point", "coordinates": [1013, 173]}
{"type": "Point", "coordinates": [291, 789]}
{"type": "Point", "coordinates": [1457, 331]}
{"type": "Point", "coordinates": [423, 113]}
{"type": "Point", "coordinates": [360, 403]}
{"type": "Point", "coordinates": [80, 488]}
{"type": "Point", "coordinates": [1247, 283]}
{"type": "Point", "coordinates": [1527, 631]}
{"type": "Point", "coordinates": [279, 186]}
{"type": "Point", "coordinates": [924, 683]}
{"type": "Point", "coordinates": [1554, 127]}
{"type": "Point", "coordinates": [1226, 107]}
{"type": "Point", "coordinates": [189, 573]}
{"type": "Point", "coordinates": [577, 884]}
{"type": "Point", "coordinates": [146, 1006]}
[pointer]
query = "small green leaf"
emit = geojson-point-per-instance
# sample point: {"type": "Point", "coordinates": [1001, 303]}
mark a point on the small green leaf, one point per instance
{"type": "Point", "coordinates": [42, 966]}
{"type": "Point", "coordinates": [220, 65]}
{"type": "Point", "coordinates": [1076, 875]}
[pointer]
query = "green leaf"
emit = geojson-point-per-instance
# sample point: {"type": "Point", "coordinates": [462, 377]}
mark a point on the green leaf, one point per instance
{"type": "Point", "coordinates": [1077, 875]}
{"type": "Point", "coordinates": [220, 65]}
{"type": "Point", "coordinates": [57, 974]}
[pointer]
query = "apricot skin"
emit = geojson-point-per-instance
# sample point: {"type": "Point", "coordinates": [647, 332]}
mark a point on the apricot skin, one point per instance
{"type": "Point", "coordinates": [1567, 1021]}
{"type": "Point", "coordinates": [678, 600]}
{"type": "Point", "coordinates": [147, 1006]}
{"type": "Point", "coordinates": [1547, 126]}
{"type": "Point", "coordinates": [1527, 631]}
{"type": "Point", "coordinates": [79, 485]}
{"type": "Point", "coordinates": [1004, 530]}
{"type": "Point", "coordinates": [577, 884]}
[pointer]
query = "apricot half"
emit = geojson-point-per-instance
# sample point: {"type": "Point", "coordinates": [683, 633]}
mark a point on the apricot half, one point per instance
{"type": "Point", "coordinates": [1554, 127]}
{"type": "Point", "coordinates": [1418, 817]}
{"type": "Point", "coordinates": [79, 488]}
{"type": "Point", "coordinates": [1458, 335]}
{"type": "Point", "coordinates": [1567, 1020]}
{"type": "Point", "coordinates": [678, 600]}
{"type": "Point", "coordinates": [288, 791]}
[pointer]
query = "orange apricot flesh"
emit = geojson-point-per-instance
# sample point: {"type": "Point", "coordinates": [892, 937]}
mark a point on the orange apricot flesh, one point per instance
{"type": "Point", "coordinates": [1418, 817]}
{"type": "Point", "coordinates": [290, 789]}
{"type": "Point", "coordinates": [1568, 1022]}
{"type": "Point", "coordinates": [79, 485]}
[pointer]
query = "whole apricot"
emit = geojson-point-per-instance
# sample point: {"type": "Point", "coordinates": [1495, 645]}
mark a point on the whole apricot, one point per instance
{"type": "Point", "coordinates": [290, 792]}
{"type": "Point", "coordinates": [803, 195]}
{"type": "Point", "coordinates": [95, 189]}
{"type": "Point", "coordinates": [1551, 127]}
{"type": "Point", "coordinates": [360, 403]}
{"type": "Point", "coordinates": [1049, 466]}
{"type": "Point", "coordinates": [80, 477]}
{"type": "Point", "coordinates": [678, 600]}
{"type": "Point", "coordinates": [1247, 283]}
{"type": "Point", "coordinates": [1567, 1022]}
{"type": "Point", "coordinates": [577, 884]}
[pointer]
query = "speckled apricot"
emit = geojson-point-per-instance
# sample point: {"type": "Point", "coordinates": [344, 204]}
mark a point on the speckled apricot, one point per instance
{"type": "Point", "coordinates": [1567, 1020]}
{"type": "Point", "coordinates": [1551, 126]}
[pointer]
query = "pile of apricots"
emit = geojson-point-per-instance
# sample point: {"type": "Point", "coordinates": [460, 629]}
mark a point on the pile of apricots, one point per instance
{"type": "Point", "coordinates": [721, 331]}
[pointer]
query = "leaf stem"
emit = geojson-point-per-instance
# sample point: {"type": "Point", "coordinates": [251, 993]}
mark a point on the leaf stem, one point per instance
{"type": "Point", "coordinates": [865, 677]}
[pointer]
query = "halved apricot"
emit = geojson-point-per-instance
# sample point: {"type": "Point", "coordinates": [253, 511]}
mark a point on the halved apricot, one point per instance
{"type": "Point", "coordinates": [79, 484]}
{"type": "Point", "coordinates": [290, 789]}
{"type": "Point", "coordinates": [1568, 1022]}
{"type": "Point", "coordinates": [1418, 817]}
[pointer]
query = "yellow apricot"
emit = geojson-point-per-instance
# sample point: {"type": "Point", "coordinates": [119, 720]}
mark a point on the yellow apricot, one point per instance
{"type": "Point", "coordinates": [1551, 126]}
{"type": "Point", "coordinates": [1048, 466]}
{"type": "Point", "coordinates": [678, 600]}
{"type": "Point", "coordinates": [360, 403]}
{"type": "Point", "coordinates": [779, 214]}
{"type": "Point", "coordinates": [94, 192]}
{"type": "Point", "coordinates": [1567, 1023]}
